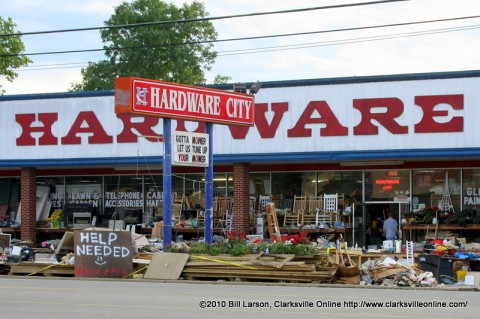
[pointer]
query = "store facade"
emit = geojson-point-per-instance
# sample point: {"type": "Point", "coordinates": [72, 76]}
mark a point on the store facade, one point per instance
{"type": "Point", "coordinates": [387, 142]}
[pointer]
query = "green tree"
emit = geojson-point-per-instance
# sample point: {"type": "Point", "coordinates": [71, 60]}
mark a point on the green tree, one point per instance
{"type": "Point", "coordinates": [11, 46]}
{"type": "Point", "coordinates": [171, 52]}
{"type": "Point", "coordinates": [222, 79]}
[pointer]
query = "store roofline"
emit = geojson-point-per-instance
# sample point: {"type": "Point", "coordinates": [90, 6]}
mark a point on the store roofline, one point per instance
{"type": "Point", "coordinates": [274, 84]}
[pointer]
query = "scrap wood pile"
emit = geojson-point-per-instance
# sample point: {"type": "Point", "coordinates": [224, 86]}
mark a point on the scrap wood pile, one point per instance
{"type": "Point", "coordinates": [262, 267]}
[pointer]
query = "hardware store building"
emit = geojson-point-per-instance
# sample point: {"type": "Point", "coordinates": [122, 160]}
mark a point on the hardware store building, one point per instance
{"type": "Point", "coordinates": [395, 142]}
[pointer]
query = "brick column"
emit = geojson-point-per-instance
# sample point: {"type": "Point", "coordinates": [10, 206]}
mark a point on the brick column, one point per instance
{"type": "Point", "coordinates": [241, 190]}
{"type": "Point", "coordinates": [28, 195]}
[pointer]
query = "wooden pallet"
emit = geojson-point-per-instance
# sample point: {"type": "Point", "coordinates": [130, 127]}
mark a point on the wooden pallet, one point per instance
{"type": "Point", "coordinates": [37, 269]}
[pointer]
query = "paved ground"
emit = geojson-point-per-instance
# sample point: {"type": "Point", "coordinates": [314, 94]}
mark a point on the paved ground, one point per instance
{"type": "Point", "coordinates": [42, 298]}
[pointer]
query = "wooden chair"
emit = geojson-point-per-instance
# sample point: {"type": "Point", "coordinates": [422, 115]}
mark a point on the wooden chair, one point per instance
{"type": "Point", "coordinates": [309, 216]}
{"type": "Point", "coordinates": [177, 207]}
{"type": "Point", "coordinates": [294, 218]}
{"type": "Point", "coordinates": [287, 203]}
{"type": "Point", "coordinates": [340, 206]}
{"type": "Point", "coordinates": [222, 212]}
{"type": "Point", "coordinates": [277, 200]}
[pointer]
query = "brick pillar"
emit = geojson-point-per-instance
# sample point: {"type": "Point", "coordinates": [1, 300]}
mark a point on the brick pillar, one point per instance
{"type": "Point", "coordinates": [28, 195]}
{"type": "Point", "coordinates": [241, 190]}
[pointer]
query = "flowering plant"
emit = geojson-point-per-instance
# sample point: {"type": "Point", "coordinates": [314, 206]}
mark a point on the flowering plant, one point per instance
{"type": "Point", "coordinates": [300, 238]}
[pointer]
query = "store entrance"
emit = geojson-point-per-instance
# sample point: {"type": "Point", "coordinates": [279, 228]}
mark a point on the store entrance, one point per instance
{"type": "Point", "coordinates": [376, 213]}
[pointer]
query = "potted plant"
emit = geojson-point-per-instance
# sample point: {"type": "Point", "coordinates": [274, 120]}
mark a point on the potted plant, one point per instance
{"type": "Point", "coordinates": [428, 214]}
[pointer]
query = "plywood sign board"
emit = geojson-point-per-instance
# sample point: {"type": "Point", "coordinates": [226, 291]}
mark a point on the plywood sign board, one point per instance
{"type": "Point", "coordinates": [165, 266]}
{"type": "Point", "coordinates": [103, 253]}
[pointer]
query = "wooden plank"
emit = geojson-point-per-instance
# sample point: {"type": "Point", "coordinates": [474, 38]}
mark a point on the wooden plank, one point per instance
{"type": "Point", "coordinates": [29, 268]}
{"type": "Point", "coordinates": [277, 264]}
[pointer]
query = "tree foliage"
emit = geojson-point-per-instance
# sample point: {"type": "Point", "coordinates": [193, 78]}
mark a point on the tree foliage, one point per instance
{"type": "Point", "coordinates": [222, 79]}
{"type": "Point", "coordinates": [170, 52]}
{"type": "Point", "coordinates": [10, 48]}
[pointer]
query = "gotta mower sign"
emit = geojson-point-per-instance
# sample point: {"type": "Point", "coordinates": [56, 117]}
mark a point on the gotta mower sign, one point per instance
{"type": "Point", "coordinates": [190, 149]}
{"type": "Point", "coordinates": [163, 99]}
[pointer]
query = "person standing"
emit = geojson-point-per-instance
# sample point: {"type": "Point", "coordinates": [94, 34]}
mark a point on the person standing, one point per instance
{"type": "Point", "coordinates": [375, 232]}
{"type": "Point", "coordinates": [390, 228]}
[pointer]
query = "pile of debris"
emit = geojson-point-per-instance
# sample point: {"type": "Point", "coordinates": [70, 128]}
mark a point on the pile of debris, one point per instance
{"type": "Point", "coordinates": [389, 272]}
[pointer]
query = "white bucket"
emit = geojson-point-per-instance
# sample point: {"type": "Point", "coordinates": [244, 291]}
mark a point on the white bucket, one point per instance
{"type": "Point", "coordinates": [259, 225]}
{"type": "Point", "coordinates": [398, 246]}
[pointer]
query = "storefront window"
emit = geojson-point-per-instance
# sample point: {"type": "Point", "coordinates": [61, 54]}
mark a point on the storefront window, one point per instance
{"type": "Point", "coordinates": [348, 184]}
{"type": "Point", "coordinates": [292, 183]}
{"type": "Point", "coordinates": [124, 196]}
{"type": "Point", "coordinates": [84, 190]}
{"type": "Point", "coordinates": [471, 189]}
{"type": "Point", "coordinates": [220, 184]}
{"type": "Point", "coordinates": [430, 186]}
{"type": "Point", "coordinates": [9, 198]}
{"type": "Point", "coordinates": [387, 185]}
{"type": "Point", "coordinates": [259, 184]}
{"type": "Point", "coordinates": [194, 183]}
{"type": "Point", "coordinates": [153, 197]}
{"type": "Point", "coordinates": [178, 185]}
{"type": "Point", "coordinates": [54, 188]}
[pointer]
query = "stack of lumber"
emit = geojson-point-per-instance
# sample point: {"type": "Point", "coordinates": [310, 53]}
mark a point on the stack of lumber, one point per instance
{"type": "Point", "coordinates": [278, 268]}
{"type": "Point", "coordinates": [31, 269]}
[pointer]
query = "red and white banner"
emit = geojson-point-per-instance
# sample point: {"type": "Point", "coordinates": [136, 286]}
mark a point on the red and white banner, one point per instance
{"type": "Point", "coordinates": [163, 99]}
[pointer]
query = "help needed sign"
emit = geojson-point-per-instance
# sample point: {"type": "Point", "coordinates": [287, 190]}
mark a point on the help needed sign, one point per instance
{"type": "Point", "coordinates": [190, 149]}
{"type": "Point", "coordinates": [103, 253]}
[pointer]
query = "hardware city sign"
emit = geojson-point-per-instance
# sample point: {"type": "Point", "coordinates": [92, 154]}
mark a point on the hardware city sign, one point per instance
{"type": "Point", "coordinates": [164, 99]}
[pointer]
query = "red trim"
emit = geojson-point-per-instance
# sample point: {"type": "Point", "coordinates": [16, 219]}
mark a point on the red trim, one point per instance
{"type": "Point", "coordinates": [253, 168]}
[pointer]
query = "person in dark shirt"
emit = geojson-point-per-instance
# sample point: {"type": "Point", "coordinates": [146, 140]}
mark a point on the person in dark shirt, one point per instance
{"type": "Point", "coordinates": [375, 232]}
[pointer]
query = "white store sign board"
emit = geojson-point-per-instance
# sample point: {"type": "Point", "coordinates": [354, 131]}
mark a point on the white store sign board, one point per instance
{"type": "Point", "coordinates": [368, 119]}
{"type": "Point", "coordinates": [190, 149]}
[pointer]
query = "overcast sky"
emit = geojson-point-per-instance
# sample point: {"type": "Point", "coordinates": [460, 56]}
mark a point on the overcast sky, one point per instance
{"type": "Point", "coordinates": [448, 46]}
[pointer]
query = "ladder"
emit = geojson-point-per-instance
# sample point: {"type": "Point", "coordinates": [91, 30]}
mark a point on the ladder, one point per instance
{"type": "Point", "coordinates": [272, 222]}
{"type": "Point", "coordinates": [409, 249]}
